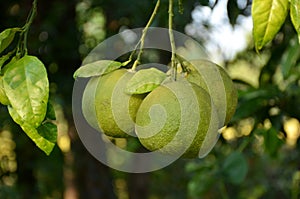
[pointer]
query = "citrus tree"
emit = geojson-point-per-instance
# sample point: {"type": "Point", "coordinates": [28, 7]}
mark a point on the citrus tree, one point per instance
{"type": "Point", "coordinates": [259, 143]}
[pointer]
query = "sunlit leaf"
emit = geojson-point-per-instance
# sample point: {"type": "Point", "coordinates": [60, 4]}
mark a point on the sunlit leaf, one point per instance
{"type": "Point", "coordinates": [3, 98]}
{"type": "Point", "coordinates": [126, 62]}
{"type": "Point", "coordinates": [97, 68]}
{"type": "Point", "coordinates": [27, 88]}
{"type": "Point", "coordinates": [268, 17]}
{"type": "Point", "coordinates": [3, 59]}
{"type": "Point", "coordinates": [6, 37]}
{"type": "Point", "coordinates": [44, 137]}
{"type": "Point", "coordinates": [235, 168]}
{"type": "Point", "coordinates": [295, 15]}
{"type": "Point", "coordinates": [41, 142]}
{"type": "Point", "coordinates": [145, 81]}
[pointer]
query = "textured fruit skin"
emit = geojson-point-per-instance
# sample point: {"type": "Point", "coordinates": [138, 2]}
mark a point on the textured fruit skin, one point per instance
{"type": "Point", "coordinates": [88, 103]}
{"type": "Point", "coordinates": [3, 98]}
{"type": "Point", "coordinates": [116, 110]}
{"type": "Point", "coordinates": [159, 119]}
{"type": "Point", "coordinates": [215, 80]}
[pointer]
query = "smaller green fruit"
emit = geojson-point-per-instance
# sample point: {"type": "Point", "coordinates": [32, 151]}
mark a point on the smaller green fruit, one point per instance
{"type": "Point", "coordinates": [215, 80]}
{"type": "Point", "coordinates": [116, 110]}
{"type": "Point", "coordinates": [3, 98]}
{"type": "Point", "coordinates": [88, 103]}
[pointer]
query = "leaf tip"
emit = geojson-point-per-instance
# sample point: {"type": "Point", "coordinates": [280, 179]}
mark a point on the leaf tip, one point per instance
{"type": "Point", "coordinates": [75, 76]}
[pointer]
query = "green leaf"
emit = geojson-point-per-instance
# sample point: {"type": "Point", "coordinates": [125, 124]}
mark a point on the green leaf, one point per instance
{"type": "Point", "coordinates": [27, 88]}
{"type": "Point", "coordinates": [43, 143]}
{"type": "Point", "coordinates": [3, 98]}
{"type": "Point", "coordinates": [48, 131]}
{"type": "Point", "coordinates": [200, 184]}
{"type": "Point", "coordinates": [145, 80]}
{"type": "Point", "coordinates": [6, 37]}
{"type": "Point", "coordinates": [3, 59]}
{"type": "Point", "coordinates": [97, 68]}
{"type": "Point", "coordinates": [253, 101]}
{"type": "Point", "coordinates": [206, 171]}
{"type": "Point", "coordinates": [268, 17]}
{"type": "Point", "coordinates": [235, 168]}
{"type": "Point", "coordinates": [272, 142]}
{"type": "Point", "coordinates": [50, 114]}
{"type": "Point", "coordinates": [44, 136]}
{"type": "Point", "coordinates": [289, 58]}
{"type": "Point", "coordinates": [248, 109]}
{"type": "Point", "coordinates": [180, 6]}
{"type": "Point", "coordinates": [126, 62]}
{"type": "Point", "coordinates": [295, 15]}
{"type": "Point", "coordinates": [266, 92]}
{"type": "Point", "coordinates": [233, 11]}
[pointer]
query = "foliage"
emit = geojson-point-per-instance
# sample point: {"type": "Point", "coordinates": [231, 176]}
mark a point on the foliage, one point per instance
{"type": "Point", "coordinates": [25, 88]}
{"type": "Point", "coordinates": [97, 68]}
{"type": "Point", "coordinates": [267, 107]}
{"type": "Point", "coordinates": [268, 17]}
{"type": "Point", "coordinates": [145, 80]}
{"type": "Point", "coordinates": [257, 155]}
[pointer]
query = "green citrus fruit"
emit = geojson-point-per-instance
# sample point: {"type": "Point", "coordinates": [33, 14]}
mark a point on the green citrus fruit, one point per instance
{"type": "Point", "coordinates": [88, 103]}
{"type": "Point", "coordinates": [107, 107]}
{"type": "Point", "coordinates": [3, 98]}
{"type": "Point", "coordinates": [178, 118]}
{"type": "Point", "coordinates": [218, 84]}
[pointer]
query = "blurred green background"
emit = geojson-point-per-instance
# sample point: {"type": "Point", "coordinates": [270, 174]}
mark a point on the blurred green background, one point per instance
{"type": "Point", "coordinates": [257, 155]}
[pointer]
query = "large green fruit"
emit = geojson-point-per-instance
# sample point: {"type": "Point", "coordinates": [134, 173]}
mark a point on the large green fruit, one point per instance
{"type": "Point", "coordinates": [88, 103]}
{"type": "Point", "coordinates": [3, 98]}
{"type": "Point", "coordinates": [178, 118]}
{"type": "Point", "coordinates": [107, 107]}
{"type": "Point", "coordinates": [218, 84]}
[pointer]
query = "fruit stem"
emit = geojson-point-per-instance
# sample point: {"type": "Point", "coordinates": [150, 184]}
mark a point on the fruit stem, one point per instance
{"type": "Point", "coordinates": [22, 46]}
{"type": "Point", "coordinates": [142, 40]}
{"type": "Point", "coordinates": [172, 41]}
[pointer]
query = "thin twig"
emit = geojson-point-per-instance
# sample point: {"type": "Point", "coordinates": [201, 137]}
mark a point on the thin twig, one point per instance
{"type": "Point", "coordinates": [142, 40]}
{"type": "Point", "coordinates": [29, 21]}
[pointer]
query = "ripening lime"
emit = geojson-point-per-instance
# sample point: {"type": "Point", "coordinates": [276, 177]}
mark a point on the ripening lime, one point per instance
{"type": "Point", "coordinates": [178, 118]}
{"type": "Point", "coordinates": [110, 106]}
{"type": "Point", "coordinates": [215, 80]}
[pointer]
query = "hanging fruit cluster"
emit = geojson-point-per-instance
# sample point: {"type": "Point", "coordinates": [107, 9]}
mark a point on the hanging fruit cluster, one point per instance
{"type": "Point", "coordinates": [176, 117]}
{"type": "Point", "coordinates": [176, 113]}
